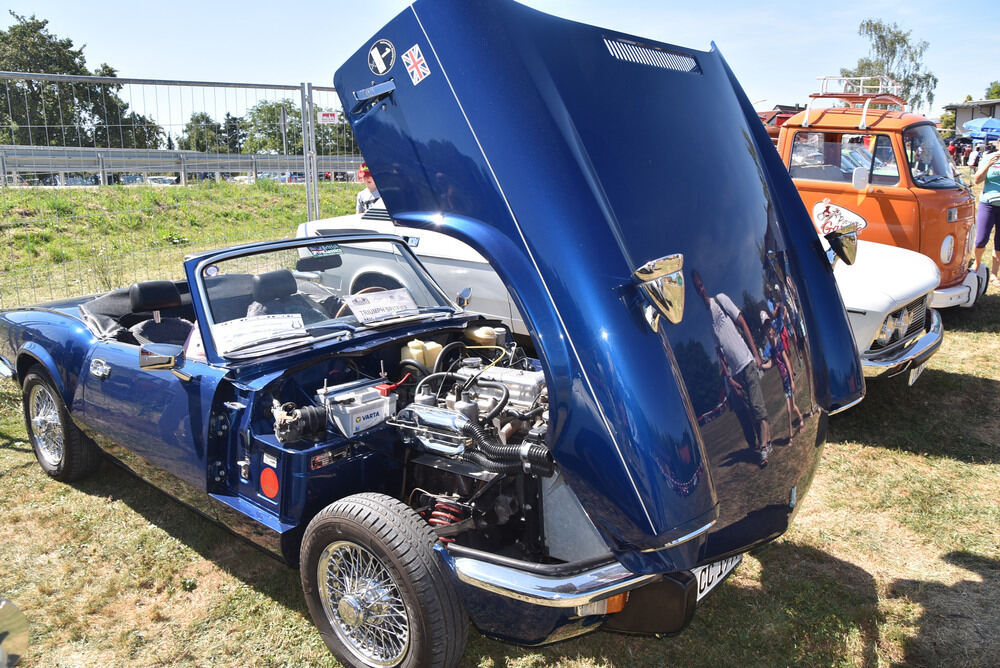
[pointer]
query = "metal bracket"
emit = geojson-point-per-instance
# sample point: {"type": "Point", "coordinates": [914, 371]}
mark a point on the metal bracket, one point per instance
{"type": "Point", "coordinates": [663, 282]}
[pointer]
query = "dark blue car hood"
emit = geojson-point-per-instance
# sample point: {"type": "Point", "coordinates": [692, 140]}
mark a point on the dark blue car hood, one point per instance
{"type": "Point", "coordinates": [569, 156]}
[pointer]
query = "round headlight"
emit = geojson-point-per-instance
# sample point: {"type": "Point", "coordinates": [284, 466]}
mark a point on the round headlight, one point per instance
{"type": "Point", "coordinates": [885, 334]}
{"type": "Point", "coordinates": [947, 249]}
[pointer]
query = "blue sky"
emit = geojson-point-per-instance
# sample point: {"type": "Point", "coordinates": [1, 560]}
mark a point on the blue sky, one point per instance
{"type": "Point", "coordinates": [775, 52]}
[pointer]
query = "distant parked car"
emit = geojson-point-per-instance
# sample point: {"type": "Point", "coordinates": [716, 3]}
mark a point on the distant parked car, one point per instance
{"type": "Point", "coordinates": [161, 180]}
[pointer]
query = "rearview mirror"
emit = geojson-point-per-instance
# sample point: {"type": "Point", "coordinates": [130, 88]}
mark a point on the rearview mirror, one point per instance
{"type": "Point", "coordinates": [859, 178]}
{"type": "Point", "coordinates": [464, 297]}
{"type": "Point", "coordinates": [163, 356]}
{"type": "Point", "coordinates": [844, 243]}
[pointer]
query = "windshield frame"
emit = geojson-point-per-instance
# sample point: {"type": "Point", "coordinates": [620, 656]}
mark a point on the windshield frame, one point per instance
{"type": "Point", "coordinates": [195, 270]}
{"type": "Point", "coordinates": [945, 181]}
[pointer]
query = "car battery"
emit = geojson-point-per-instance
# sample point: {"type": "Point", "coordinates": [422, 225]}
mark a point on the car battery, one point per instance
{"type": "Point", "coordinates": [357, 406]}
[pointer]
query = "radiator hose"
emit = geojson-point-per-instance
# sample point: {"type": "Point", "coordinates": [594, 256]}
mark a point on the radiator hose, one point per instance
{"type": "Point", "coordinates": [537, 456]}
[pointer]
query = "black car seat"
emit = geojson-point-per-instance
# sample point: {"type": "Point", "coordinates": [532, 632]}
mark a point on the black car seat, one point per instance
{"type": "Point", "coordinates": [276, 292]}
{"type": "Point", "coordinates": [156, 296]}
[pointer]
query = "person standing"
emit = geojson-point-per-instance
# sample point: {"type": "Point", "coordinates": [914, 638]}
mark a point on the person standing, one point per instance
{"type": "Point", "coordinates": [369, 195]}
{"type": "Point", "coordinates": [988, 212]}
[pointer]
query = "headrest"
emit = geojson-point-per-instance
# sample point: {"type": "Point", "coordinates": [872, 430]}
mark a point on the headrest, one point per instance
{"type": "Point", "coordinates": [153, 296]}
{"type": "Point", "coordinates": [273, 285]}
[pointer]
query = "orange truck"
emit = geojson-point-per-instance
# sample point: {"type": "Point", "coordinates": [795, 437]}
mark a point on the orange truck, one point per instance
{"type": "Point", "coordinates": [875, 164]}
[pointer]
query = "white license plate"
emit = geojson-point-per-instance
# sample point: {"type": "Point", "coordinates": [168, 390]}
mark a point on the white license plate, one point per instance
{"type": "Point", "coordinates": [712, 574]}
{"type": "Point", "coordinates": [915, 373]}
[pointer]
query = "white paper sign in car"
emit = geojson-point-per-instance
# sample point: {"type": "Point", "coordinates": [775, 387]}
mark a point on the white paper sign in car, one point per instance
{"type": "Point", "coordinates": [235, 333]}
{"type": "Point", "coordinates": [829, 217]}
{"type": "Point", "coordinates": [379, 305]}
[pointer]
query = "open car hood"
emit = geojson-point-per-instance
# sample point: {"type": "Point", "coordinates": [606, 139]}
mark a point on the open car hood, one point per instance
{"type": "Point", "coordinates": [571, 156]}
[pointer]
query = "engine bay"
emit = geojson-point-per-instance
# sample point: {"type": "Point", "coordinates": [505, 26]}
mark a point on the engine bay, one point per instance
{"type": "Point", "coordinates": [458, 420]}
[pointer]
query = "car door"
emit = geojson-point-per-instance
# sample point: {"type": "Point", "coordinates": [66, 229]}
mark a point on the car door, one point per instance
{"type": "Point", "coordinates": [152, 421]}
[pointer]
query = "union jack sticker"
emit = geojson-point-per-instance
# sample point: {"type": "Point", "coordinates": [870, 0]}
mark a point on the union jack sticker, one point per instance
{"type": "Point", "coordinates": [415, 64]}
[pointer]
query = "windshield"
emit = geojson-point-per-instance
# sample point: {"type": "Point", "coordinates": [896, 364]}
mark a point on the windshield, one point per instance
{"type": "Point", "coordinates": [261, 302]}
{"type": "Point", "coordinates": [927, 158]}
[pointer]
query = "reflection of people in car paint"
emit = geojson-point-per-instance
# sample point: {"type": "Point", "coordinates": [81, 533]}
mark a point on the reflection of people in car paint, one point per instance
{"type": "Point", "coordinates": [739, 360]}
{"type": "Point", "coordinates": [781, 359]}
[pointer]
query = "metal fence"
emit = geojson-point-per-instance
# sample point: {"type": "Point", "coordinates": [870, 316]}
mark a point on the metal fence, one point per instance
{"type": "Point", "coordinates": [109, 180]}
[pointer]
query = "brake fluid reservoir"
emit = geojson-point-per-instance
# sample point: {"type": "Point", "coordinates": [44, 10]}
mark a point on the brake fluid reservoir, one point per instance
{"type": "Point", "coordinates": [484, 336]}
{"type": "Point", "coordinates": [355, 407]}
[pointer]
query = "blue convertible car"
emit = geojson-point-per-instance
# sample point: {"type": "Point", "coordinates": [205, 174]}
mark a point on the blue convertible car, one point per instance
{"type": "Point", "coordinates": [425, 467]}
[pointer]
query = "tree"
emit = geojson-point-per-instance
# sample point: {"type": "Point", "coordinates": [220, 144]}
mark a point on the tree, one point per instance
{"type": "Point", "coordinates": [63, 114]}
{"type": "Point", "coordinates": [233, 133]}
{"type": "Point", "coordinates": [202, 133]}
{"type": "Point", "coordinates": [893, 53]}
{"type": "Point", "coordinates": [263, 128]}
{"type": "Point", "coordinates": [993, 90]}
{"type": "Point", "coordinates": [947, 124]}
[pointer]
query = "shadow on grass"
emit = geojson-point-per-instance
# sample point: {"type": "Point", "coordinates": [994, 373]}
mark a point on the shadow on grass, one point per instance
{"type": "Point", "coordinates": [958, 625]}
{"type": "Point", "coordinates": [944, 415]}
{"type": "Point", "coordinates": [810, 609]}
{"type": "Point", "coordinates": [232, 554]}
{"type": "Point", "coordinates": [8, 442]}
{"type": "Point", "coordinates": [983, 317]}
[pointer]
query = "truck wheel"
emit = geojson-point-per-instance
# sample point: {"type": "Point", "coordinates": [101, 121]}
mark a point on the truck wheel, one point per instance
{"type": "Point", "coordinates": [62, 450]}
{"type": "Point", "coordinates": [376, 590]}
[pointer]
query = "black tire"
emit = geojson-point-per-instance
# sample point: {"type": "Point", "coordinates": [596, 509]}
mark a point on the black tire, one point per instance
{"type": "Point", "coordinates": [375, 526]}
{"type": "Point", "coordinates": [61, 449]}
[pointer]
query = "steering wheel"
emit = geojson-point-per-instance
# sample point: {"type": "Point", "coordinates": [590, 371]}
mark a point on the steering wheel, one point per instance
{"type": "Point", "coordinates": [371, 288]}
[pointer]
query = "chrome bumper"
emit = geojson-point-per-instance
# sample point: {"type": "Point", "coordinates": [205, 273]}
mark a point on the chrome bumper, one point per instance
{"type": "Point", "coordinates": [972, 288]}
{"type": "Point", "coordinates": [567, 591]}
{"type": "Point", "coordinates": [896, 361]}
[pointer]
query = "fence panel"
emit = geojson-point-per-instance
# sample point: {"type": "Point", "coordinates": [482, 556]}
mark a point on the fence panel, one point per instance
{"type": "Point", "coordinates": [108, 181]}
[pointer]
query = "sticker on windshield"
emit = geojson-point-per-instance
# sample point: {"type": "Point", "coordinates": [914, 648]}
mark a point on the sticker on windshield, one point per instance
{"type": "Point", "coordinates": [380, 305]}
{"type": "Point", "coordinates": [415, 64]}
{"type": "Point", "coordinates": [381, 57]}
{"type": "Point", "coordinates": [830, 217]}
{"type": "Point", "coordinates": [325, 250]}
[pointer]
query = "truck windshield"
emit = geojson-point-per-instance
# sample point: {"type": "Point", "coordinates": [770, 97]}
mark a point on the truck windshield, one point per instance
{"type": "Point", "coordinates": [927, 158]}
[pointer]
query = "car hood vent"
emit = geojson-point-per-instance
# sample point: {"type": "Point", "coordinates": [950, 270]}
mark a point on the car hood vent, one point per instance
{"type": "Point", "coordinates": [654, 57]}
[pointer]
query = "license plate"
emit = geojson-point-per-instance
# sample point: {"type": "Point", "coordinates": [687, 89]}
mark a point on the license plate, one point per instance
{"type": "Point", "coordinates": [915, 373]}
{"type": "Point", "coordinates": [712, 574]}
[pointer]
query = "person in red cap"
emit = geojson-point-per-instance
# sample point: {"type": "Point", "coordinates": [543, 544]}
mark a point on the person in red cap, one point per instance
{"type": "Point", "coordinates": [369, 195]}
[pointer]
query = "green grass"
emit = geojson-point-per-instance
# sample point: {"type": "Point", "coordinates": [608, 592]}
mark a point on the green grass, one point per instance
{"type": "Point", "coordinates": [57, 242]}
{"type": "Point", "coordinates": [894, 557]}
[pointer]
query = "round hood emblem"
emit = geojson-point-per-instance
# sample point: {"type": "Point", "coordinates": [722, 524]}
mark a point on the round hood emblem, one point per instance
{"type": "Point", "coordinates": [381, 57]}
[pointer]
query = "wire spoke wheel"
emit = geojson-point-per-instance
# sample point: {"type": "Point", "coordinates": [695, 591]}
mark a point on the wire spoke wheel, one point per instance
{"type": "Point", "coordinates": [46, 424]}
{"type": "Point", "coordinates": [363, 604]}
{"type": "Point", "coordinates": [376, 588]}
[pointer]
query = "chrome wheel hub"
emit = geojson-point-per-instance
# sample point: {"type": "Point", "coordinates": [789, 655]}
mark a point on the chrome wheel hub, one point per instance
{"type": "Point", "coordinates": [363, 604]}
{"type": "Point", "coordinates": [46, 425]}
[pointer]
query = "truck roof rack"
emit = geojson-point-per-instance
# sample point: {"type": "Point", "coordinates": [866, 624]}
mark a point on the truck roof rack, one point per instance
{"type": "Point", "coordinates": [858, 91]}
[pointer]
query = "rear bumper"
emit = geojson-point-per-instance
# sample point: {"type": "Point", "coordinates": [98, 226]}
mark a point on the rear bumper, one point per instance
{"type": "Point", "coordinates": [973, 287]}
{"type": "Point", "coordinates": [896, 361]}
